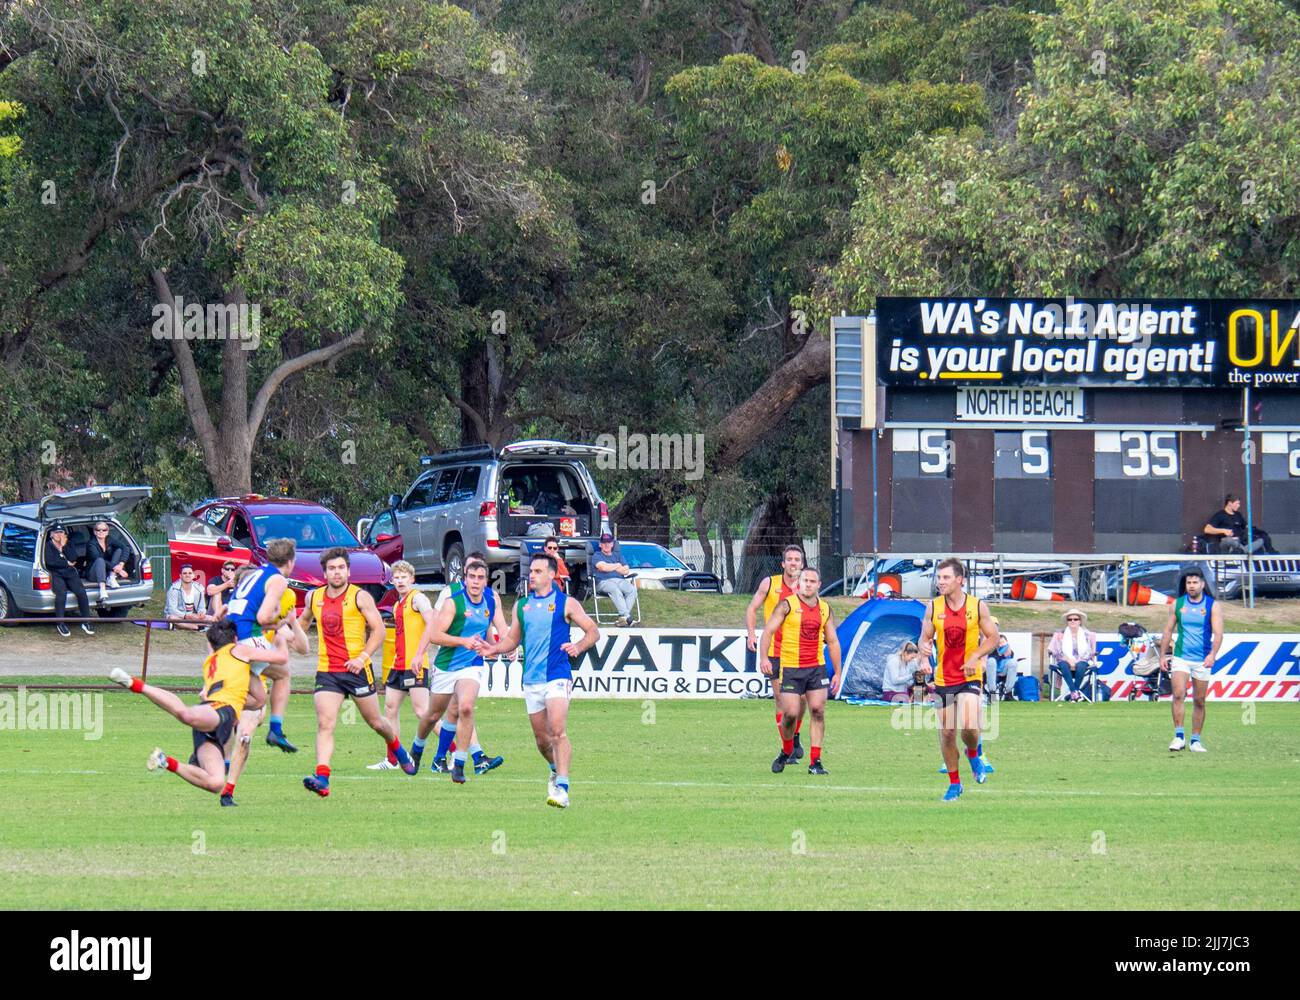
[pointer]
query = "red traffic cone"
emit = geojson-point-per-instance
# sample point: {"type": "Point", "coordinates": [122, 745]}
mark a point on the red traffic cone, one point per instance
{"type": "Point", "coordinates": [1027, 590]}
{"type": "Point", "coordinates": [1138, 594]}
{"type": "Point", "coordinates": [889, 585]}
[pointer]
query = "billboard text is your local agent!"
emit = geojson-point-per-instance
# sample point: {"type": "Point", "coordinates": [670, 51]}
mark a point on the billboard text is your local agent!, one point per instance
{"type": "Point", "coordinates": [1115, 341]}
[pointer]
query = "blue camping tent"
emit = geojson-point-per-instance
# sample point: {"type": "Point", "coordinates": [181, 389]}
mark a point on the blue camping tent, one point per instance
{"type": "Point", "coordinates": [870, 634]}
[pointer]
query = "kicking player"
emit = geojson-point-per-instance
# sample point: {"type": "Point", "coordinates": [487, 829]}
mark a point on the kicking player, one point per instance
{"type": "Point", "coordinates": [256, 603]}
{"type": "Point", "coordinates": [460, 628]}
{"type": "Point", "coordinates": [771, 592]}
{"type": "Point", "coordinates": [408, 673]}
{"type": "Point", "coordinates": [1199, 621]}
{"type": "Point", "coordinates": [541, 623]}
{"type": "Point", "coordinates": [807, 630]}
{"type": "Point", "coordinates": [350, 632]}
{"type": "Point", "coordinates": [225, 689]}
{"type": "Point", "coordinates": [963, 628]}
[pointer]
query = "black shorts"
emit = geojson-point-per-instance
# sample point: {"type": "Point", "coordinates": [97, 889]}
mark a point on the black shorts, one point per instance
{"type": "Point", "coordinates": [346, 683]}
{"type": "Point", "coordinates": [220, 736]}
{"type": "Point", "coordinates": [405, 680]}
{"type": "Point", "coordinates": [947, 695]}
{"type": "Point", "coordinates": [801, 680]}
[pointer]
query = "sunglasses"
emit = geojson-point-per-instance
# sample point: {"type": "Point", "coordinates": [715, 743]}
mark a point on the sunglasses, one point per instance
{"type": "Point", "coordinates": [552, 548]}
{"type": "Point", "coordinates": [227, 569]}
{"type": "Point", "coordinates": [101, 531]}
{"type": "Point", "coordinates": [1074, 618]}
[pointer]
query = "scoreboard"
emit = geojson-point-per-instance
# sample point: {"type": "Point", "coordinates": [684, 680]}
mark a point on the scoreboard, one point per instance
{"type": "Point", "coordinates": [960, 454]}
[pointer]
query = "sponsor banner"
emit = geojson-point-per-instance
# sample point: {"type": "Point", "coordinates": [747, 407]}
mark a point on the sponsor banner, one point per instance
{"type": "Point", "coordinates": [1088, 342]}
{"type": "Point", "coordinates": [1249, 667]}
{"type": "Point", "coordinates": [714, 663]}
{"type": "Point", "coordinates": [1025, 405]}
{"type": "Point", "coordinates": [654, 663]}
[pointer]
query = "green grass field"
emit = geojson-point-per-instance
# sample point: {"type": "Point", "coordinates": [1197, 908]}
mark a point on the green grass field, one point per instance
{"type": "Point", "coordinates": [1087, 809]}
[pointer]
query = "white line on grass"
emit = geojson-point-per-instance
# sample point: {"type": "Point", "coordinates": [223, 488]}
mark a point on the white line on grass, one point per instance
{"type": "Point", "coordinates": [819, 787]}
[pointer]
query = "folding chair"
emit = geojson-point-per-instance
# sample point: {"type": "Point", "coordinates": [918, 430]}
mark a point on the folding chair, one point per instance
{"type": "Point", "coordinates": [1058, 689]}
{"type": "Point", "coordinates": [603, 617]}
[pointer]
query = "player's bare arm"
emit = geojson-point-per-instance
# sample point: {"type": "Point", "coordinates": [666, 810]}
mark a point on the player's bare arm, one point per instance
{"type": "Point", "coordinates": [510, 638]}
{"type": "Point", "coordinates": [269, 612]}
{"type": "Point", "coordinates": [374, 632]}
{"type": "Point", "coordinates": [420, 602]}
{"type": "Point", "coordinates": [926, 645]}
{"type": "Point", "coordinates": [1168, 636]}
{"type": "Point", "coordinates": [988, 641]}
{"type": "Point", "coordinates": [1216, 624]}
{"type": "Point", "coordinates": [751, 612]}
{"type": "Point", "coordinates": [833, 648]}
{"type": "Point", "coordinates": [574, 615]}
{"type": "Point", "coordinates": [769, 634]}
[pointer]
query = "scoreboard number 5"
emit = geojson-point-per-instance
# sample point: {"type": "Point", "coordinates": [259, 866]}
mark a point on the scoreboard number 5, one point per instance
{"type": "Point", "coordinates": [1147, 454]}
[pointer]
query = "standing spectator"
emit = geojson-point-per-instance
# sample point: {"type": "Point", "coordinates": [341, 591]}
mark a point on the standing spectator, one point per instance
{"type": "Point", "coordinates": [613, 577]}
{"type": "Point", "coordinates": [63, 578]}
{"type": "Point", "coordinates": [185, 602]}
{"type": "Point", "coordinates": [552, 548]}
{"type": "Point", "coordinates": [900, 673]}
{"type": "Point", "coordinates": [1072, 651]}
{"type": "Point", "coordinates": [217, 590]}
{"type": "Point", "coordinates": [1229, 527]}
{"type": "Point", "coordinates": [105, 560]}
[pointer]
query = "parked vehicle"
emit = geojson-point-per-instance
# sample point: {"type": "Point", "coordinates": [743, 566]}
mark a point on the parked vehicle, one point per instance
{"type": "Point", "coordinates": [489, 500]}
{"type": "Point", "coordinates": [1274, 576]}
{"type": "Point", "coordinates": [915, 578]}
{"type": "Point", "coordinates": [236, 529]}
{"type": "Point", "coordinates": [658, 569]}
{"type": "Point", "coordinates": [25, 587]}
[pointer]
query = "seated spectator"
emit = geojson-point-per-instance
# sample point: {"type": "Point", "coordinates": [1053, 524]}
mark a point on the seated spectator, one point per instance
{"type": "Point", "coordinates": [186, 606]}
{"type": "Point", "coordinates": [1228, 528]}
{"type": "Point", "coordinates": [220, 589]}
{"type": "Point", "coordinates": [552, 548]}
{"type": "Point", "coordinates": [105, 560]}
{"type": "Point", "coordinates": [900, 676]}
{"type": "Point", "coordinates": [612, 577]}
{"type": "Point", "coordinates": [64, 578]}
{"type": "Point", "coordinates": [1005, 666]}
{"type": "Point", "coordinates": [1073, 651]}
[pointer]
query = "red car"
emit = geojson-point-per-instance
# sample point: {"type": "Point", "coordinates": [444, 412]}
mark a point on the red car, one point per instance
{"type": "Point", "coordinates": [236, 529]}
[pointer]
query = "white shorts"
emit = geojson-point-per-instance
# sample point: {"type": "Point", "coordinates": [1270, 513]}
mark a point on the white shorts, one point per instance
{"type": "Point", "coordinates": [537, 695]}
{"type": "Point", "coordinates": [261, 642]}
{"type": "Point", "coordinates": [1197, 668]}
{"type": "Point", "coordinates": [445, 681]}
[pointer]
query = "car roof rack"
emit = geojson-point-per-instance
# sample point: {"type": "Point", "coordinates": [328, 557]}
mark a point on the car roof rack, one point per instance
{"type": "Point", "coordinates": [458, 455]}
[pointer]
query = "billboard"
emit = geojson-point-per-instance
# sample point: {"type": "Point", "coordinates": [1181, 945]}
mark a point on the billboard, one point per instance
{"type": "Point", "coordinates": [1151, 343]}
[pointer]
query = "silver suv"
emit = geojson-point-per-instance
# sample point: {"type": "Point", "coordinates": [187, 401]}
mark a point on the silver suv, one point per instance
{"type": "Point", "coordinates": [481, 499]}
{"type": "Point", "coordinates": [24, 583]}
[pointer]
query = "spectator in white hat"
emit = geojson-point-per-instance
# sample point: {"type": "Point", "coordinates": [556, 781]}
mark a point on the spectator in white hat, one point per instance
{"type": "Point", "coordinates": [1073, 651]}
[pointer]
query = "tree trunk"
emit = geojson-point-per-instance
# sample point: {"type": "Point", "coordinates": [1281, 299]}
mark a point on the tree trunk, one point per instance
{"type": "Point", "coordinates": [728, 553]}
{"type": "Point", "coordinates": [702, 533]}
{"type": "Point", "coordinates": [770, 530]}
{"type": "Point", "coordinates": [742, 429]}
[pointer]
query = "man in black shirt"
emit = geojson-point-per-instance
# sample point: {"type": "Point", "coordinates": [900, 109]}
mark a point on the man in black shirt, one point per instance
{"type": "Point", "coordinates": [63, 578]}
{"type": "Point", "coordinates": [1229, 528]}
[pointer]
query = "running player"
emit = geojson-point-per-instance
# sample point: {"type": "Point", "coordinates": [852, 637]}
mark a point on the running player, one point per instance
{"type": "Point", "coordinates": [807, 630]}
{"type": "Point", "coordinates": [407, 673]}
{"type": "Point", "coordinates": [256, 603]}
{"type": "Point", "coordinates": [450, 716]}
{"type": "Point", "coordinates": [541, 623]}
{"type": "Point", "coordinates": [350, 632]}
{"type": "Point", "coordinates": [772, 590]}
{"type": "Point", "coordinates": [460, 628]}
{"type": "Point", "coordinates": [1199, 621]}
{"type": "Point", "coordinates": [225, 689]}
{"type": "Point", "coordinates": [965, 633]}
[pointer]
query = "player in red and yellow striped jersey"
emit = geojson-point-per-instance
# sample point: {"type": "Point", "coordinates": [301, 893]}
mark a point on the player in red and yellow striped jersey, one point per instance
{"type": "Point", "coordinates": [772, 590]}
{"type": "Point", "coordinates": [807, 630]}
{"type": "Point", "coordinates": [406, 670]}
{"type": "Point", "coordinates": [351, 631]}
{"type": "Point", "coordinates": [213, 719]}
{"type": "Point", "coordinates": [961, 629]}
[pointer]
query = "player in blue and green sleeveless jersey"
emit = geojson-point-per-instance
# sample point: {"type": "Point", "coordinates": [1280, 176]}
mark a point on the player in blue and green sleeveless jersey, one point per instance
{"type": "Point", "coordinates": [1199, 622]}
{"type": "Point", "coordinates": [462, 629]}
{"type": "Point", "coordinates": [541, 623]}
